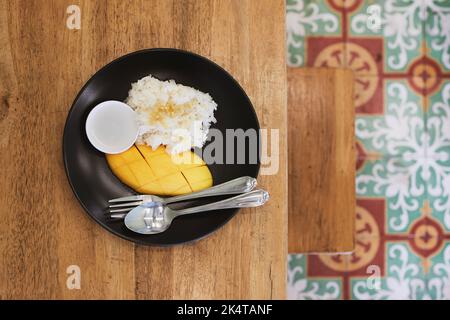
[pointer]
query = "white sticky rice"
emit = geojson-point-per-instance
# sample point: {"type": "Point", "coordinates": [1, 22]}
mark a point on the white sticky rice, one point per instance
{"type": "Point", "coordinates": [171, 114]}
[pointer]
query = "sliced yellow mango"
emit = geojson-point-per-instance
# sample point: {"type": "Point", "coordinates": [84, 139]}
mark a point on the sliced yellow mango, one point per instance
{"type": "Point", "coordinates": [199, 178]}
{"type": "Point", "coordinates": [121, 159]}
{"type": "Point", "coordinates": [115, 161]}
{"type": "Point", "coordinates": [142, 172]}
{"type": "Point", "coordinates": [125, 175]}
{"type": "Point", "coordinates": [187, 160]}
{"type": "Point", "coordinates": [174, 184]}
{"type": "Point", "coordinates": [162, 165]}
{"type": "Point", "coordinates": [131, 155]}
{"type": "Point", "coordinates": [156, 172]}
{"type": "Point", "coordinates": [152, 187]}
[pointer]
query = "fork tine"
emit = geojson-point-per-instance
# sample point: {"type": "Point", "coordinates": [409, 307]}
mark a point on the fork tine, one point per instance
{"type": "Point", "coordinates": [128, 198]}
{"type": "Point", "coordinates": [119, 210]}
{"type": "Point", "coordinates": [118, 216]}
{"type": "Point", "coordinates": [127, 204]}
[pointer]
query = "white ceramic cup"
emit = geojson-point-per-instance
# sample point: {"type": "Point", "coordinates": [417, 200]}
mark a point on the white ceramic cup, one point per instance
{"type": "Point", "coordinates": [111, 127]}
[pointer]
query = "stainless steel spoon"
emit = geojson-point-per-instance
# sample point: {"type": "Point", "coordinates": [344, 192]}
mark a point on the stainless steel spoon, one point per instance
{"type": "Point", "coordinates": [154, 217]}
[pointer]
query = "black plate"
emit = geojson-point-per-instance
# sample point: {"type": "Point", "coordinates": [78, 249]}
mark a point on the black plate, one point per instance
{"type": "Point", "coordinates": [89, 175]}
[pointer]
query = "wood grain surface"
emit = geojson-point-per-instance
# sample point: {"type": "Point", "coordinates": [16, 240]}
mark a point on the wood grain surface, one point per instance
{"type": "Point", "coordinates": [321, 160]}
{"type": "Point", "coordinates": [43, 229]}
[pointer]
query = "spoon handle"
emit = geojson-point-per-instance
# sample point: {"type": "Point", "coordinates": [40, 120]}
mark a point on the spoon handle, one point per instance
{"type": "Point", "coordinates": [250, 199]}
{"type": "Point", "coordinates": [239, 185]}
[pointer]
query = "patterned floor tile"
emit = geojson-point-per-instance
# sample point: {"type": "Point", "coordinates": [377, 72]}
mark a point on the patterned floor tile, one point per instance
{"type": "Point", "coordinates": [438, 152]}
{"type": "Point", "coordinates": [437, 32]}
{"type": "Point", "coordinates": [398, 187]}
{"type": "Point", "coordinates": [364, 56]}
{"type": "Point", "coordinates": [380, 268]}
{"type": "Point", "coordinates": [438, 276]}
{"type": "Point", "coordinates": [401, 277]}
{"type": "Point", "coordinates": [390, 119]}
{"type": "Point", "coordinates": [325, 52]}
{"type": "Point", "coordinates": [396, 24]}
{"type": "Point", "coordinates": [301, 286]}
{"type": "Point", "coordinates": [369, 95]}
{"type": "Point", "coordinates": [306, 19]}
{"type": "Point", "coordinates": [326, 276]}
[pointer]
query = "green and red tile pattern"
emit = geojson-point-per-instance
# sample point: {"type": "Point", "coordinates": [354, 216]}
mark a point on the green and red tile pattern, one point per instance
{"type": "Point", "coordinates": [399, 51]}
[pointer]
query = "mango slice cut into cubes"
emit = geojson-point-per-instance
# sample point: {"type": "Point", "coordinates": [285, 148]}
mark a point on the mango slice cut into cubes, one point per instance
{"type": "Point", "coordinates": [149, 171]}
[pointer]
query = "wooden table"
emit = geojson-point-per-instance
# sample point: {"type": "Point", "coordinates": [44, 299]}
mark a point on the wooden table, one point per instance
{"type": "Point", "coordinates": [43, 229]}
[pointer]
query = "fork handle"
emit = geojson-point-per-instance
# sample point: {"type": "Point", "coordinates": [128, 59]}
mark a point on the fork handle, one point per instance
{"type": "Point", "coordinates": [239, 185]}
{"type": "Point", "coordinates": [250, 199]}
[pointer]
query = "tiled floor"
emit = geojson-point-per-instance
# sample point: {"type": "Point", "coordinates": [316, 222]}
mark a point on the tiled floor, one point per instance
{"type": "Point", "coordinates": [400, 53]}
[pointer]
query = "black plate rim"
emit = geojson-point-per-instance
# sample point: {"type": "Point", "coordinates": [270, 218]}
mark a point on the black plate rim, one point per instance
{"type": "Point", "coordinates": [71, 110]}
